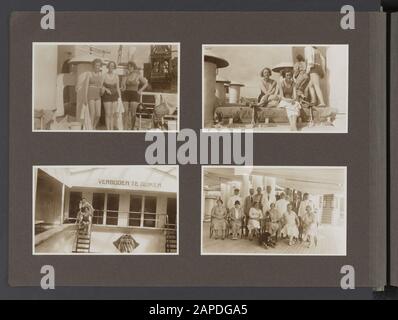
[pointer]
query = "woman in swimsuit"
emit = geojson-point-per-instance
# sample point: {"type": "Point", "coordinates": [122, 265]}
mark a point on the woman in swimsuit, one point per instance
{"type": "Point", "coordinates": [111, 95]}
{"type": "Point", "coordinates": [316, 68]}
{"type": "Point", "coordinates": [132, 86]}
{"type": "Point", "coordinates": [93, 92]}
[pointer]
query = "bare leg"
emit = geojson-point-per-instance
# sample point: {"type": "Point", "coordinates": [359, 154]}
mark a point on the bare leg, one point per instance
{"type": "Point", "coordinates": [293, 123]}
{"type": "Point", "coordinates": [108, 115]}
{"type": "Point", "coordinates": [91, 107]}
{"type": "Point", "coordinates": [114, 116]}
{"type": "Point", "coordinates": [126, 115]}
{"type": "Point", "coordinates": [97, 113]}
{"type": "Point", "coordinates": [133, 108]}
{"type": "Point", "coordinates": [310, 241]}
{"type": "Point", "coordinates": [317, 87]}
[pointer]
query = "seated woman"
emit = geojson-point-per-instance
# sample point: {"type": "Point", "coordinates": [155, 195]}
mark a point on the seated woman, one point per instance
{"type": "Point", "coordinates": [288, 96]}
{"type": "Point", "coordinates": [268, 89]}
{"type": "Point", "coordinates": [236, 218]}
{"type": "Point", "coordinates": [291, 223]}
{"type": "Point", "coordinates": [218, 219]}
{"type": "Point", "coordinates": [255, 215]}
{"type": "Point", "coordinates": [310, 227]}
{"type": "Point", "coordinates": [267, 97]}
{"type": "Point", "coordinates": [275, 222]}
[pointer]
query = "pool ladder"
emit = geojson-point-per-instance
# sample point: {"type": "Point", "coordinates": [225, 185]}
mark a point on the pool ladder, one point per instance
{"type": "Point", "coordinates": [83, 240]}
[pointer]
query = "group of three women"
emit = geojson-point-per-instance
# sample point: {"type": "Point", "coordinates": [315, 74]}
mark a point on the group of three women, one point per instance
{"type": "Point", "coordinates": [120, 100]}
{"type": "Point", "coordinates": [296, 85]}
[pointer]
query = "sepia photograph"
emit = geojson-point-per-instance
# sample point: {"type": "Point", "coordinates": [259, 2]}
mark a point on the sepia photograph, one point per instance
{"type": "Point", "coordinates": [107, 210]}
{"type": "Point", "coordinates": [98, 87]}
{"type": "Point", "coordinates": [275, 88]}
{"type": "Point", "coordinates": [274, 210]}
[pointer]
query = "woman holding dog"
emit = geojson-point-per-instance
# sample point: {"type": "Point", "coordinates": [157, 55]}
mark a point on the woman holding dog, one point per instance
{"type": "Point", "coordinates": [132, 86]}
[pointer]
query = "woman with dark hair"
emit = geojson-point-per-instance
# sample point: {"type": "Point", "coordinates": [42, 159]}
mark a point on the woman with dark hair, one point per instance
{"type": "Point", "coordinates": [93, 92]}
{"type": "Point", "coordinates": [300, 75]}
{"type": "Point", "coordinates": [236, 217]}
{"type": "Point", "coordinates": [288, 96]}
{"type": "Point", "coordinates": [132, 86]}
{"type": "Point", "coordinates": [268, 88]}
{"type": "Point", "coordinates": [111, 95]}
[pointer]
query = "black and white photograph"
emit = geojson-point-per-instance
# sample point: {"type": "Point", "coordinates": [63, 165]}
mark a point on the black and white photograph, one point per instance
{"type": "Point", "coordinates": [275, 88]}
{"type": "Point", "coordinates": [99, 87]}
{"type": "Point", "coordinates": [107, 210]}
{"type": "Point", "coordinates": [274, 210]}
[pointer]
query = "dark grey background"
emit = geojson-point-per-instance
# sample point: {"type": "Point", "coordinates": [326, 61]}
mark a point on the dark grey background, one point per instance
{"type": "Point", "coordinates": [153, 293]}
{"type": "Point", "coordinates": [189, 268]}
{"type": "Point", "coordinates": [394, 151]}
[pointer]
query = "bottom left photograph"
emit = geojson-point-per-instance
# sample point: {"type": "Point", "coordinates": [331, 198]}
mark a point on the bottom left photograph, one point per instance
{"type": "Point", "coordinates": [105, 210]}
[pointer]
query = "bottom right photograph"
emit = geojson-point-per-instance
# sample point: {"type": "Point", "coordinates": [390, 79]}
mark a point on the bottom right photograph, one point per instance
{"type": "Point", "coordinates": [270, 210]}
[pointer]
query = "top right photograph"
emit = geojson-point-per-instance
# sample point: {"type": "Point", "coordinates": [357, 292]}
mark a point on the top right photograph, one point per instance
{"type": "Point", "coordinates": [275, 88]}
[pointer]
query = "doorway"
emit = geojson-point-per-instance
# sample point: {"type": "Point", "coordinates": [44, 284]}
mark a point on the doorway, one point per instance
{"type": "Point", "coordinates": [172, 210]}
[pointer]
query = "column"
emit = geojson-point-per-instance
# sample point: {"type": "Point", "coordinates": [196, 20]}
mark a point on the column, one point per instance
{"type": "Point", "coordinates": [234, 92]}
{"type": "Point", "coordinates": [258, 181]}
{"type": "Point", "coordinates": [62, 204]}
{"type": "Point", "coordinates": [124, 207]}
{"type": "Point", "coordinates": [245, 186]}
{"type": "Point", "coordinates": [221, 91]}
{"type": "Point", "coordinates": [336, 87]}
{"type": "Point", "coordinates": [209, 89]}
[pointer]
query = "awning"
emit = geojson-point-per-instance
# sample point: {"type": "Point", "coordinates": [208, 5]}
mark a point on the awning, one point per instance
{"type": "Point", "coordinates": [143, 178]}
{"type": "Point", "coordinates": [314, 180]}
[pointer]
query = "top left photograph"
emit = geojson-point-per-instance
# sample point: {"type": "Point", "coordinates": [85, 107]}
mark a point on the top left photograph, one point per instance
{"type": "Point", "coordinates": [97, 87]}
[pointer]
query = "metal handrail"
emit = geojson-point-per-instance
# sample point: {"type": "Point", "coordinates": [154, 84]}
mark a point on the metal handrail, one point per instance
{"type": "Point", "coordinates": [129, 212]}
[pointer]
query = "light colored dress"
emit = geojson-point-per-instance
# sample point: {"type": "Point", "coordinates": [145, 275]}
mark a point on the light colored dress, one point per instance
{"type": "Point", "coordinates": [254, 219]}
{"type": "Point", "coordinates": [310, 225]}
{"type": "Point", "coordinates": [290, 229]}
{"type": "Point", "coordinates": [236, 216]}
{"type": "Point", "coordinates": [218, 215]}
